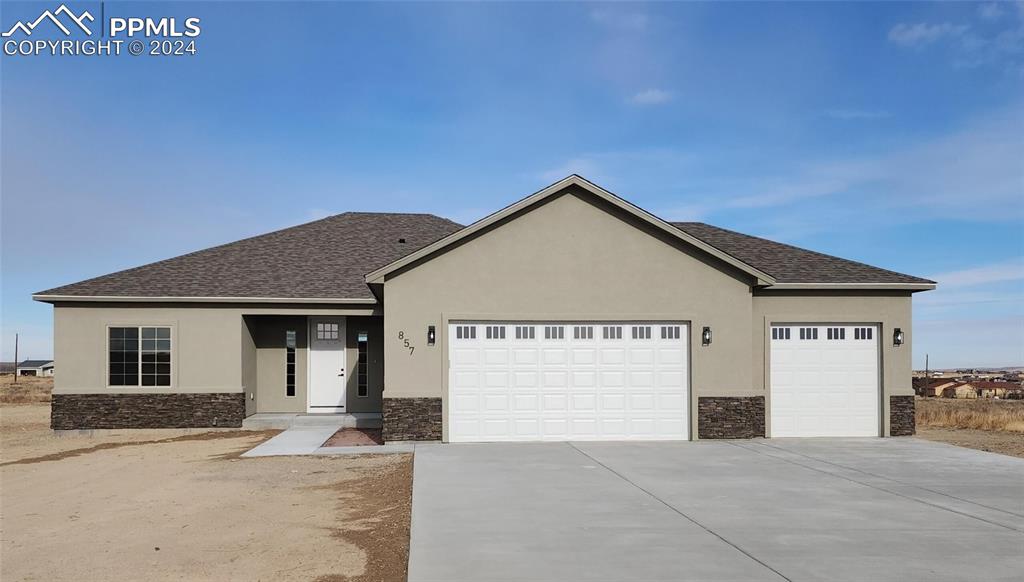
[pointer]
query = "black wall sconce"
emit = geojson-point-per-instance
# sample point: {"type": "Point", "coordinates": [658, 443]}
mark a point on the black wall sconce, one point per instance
{"type": "Point", "coordinates": [897, 337]}
{"type": "Point", "coordinates": [705, 336]}
{"type": "Point", "coordinates": [431, 335]}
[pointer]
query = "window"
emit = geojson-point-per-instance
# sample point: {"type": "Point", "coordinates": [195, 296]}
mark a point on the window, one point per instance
{"type": "Point", "coordinates": [327, 331]}
{"type": "Point", "coordinates": [465, 332]}
{"type": "Point", "coordinates": [836, 333]}
{"type": "Point", "coordinates": [809, 333]}
{"type": "Point", "coordinates": [289, 363]}
{"type": "Point", "coordinates": [641, 332]}
{"type": "Point", "coordinates": [862, 333]}
{"type": "Point", "coordinates": [361, 367]}
{"type": "Point", "coordinates": [525, 332]}
{"type": "Point", "coordinates": [670, 332]}
{"type": "Point", "coordinates": [612, 332]}
{"type": "Point", "coordinates": [495, 332]}
{"type": "Point", "coordinates": [582, 332]}
{"type": "Point", "coordinates": [780, 333]}
{"type": "Point", "coordinates": [139, 356]}
{"type": "Point", "coordinates": [554, 332]}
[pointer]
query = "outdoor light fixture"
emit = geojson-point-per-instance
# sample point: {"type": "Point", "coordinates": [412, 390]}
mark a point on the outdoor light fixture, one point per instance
{"type": "Point", "coordinates": [897, 337]}
{"type": "Point", "coordinates": [431, 335]}
{"type": "Point", "coordinates": [705, 337]}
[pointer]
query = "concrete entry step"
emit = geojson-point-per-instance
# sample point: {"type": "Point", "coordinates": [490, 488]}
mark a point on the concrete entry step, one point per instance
{"type": "Point", "coordinates": [285, 421]}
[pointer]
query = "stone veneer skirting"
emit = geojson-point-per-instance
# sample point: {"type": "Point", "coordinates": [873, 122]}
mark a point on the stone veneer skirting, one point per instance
{"type": "Point", "coordinates": [96, 411]}
{"type": "Point", "coordinates": [730, 417]}
{"type": "Point", "coordinates": [901, 416]}
{"type": "Point", "coordinates": [412, 419]}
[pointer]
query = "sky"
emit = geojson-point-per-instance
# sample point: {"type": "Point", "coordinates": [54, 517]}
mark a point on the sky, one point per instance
{"type": "Point", "coordinates": [889, 133]}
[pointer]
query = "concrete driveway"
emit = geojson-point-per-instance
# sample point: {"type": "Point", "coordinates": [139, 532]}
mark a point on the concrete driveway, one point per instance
{"type": "Point", "coordinates": [837, 509]}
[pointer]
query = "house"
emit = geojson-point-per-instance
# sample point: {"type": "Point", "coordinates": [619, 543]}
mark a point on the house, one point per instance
{"type": "Point", "coordinates": [959, 390]}
{"type": "Point", "coordinates": [932, 386]}
{"type": "Point", "coordinates": [991, 389]}
{"type": "Point", "coordinates": [571, 314]}
{"type": "Point", "coordinates": [35, 368]}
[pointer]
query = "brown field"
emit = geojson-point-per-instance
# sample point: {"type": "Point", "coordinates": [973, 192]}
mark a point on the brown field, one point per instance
{"type": "Point", "coordinates": [27, 390]}
{"type": "Point", "coordinates": [182, 505]}
{"type": "Point", "coordinates": [989, 425]}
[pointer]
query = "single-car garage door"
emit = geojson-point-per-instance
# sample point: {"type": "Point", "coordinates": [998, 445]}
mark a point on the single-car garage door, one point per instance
{"type": "Point", "coordinates": [559, 381]}
{"type": "Point", "coordinates": [824, 380]}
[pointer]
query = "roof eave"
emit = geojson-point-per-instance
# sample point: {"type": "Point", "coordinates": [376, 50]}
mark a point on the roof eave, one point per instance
{"type": "Point", "coordinates": [854, 286]}
{"type": "Point", "coordinates": [378, 276]}
{"type": "Point", "coordinates": [45, 298]}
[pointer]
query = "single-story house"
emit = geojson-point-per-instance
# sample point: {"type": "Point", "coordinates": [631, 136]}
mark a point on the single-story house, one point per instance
{"type": "Point", "coordinates": [932, 387]}
{"type": "Point", "coordinates": [990, 389]}
{"type": "Point", "coordinates": [571, 314]}
{"type": "Point", "coordinates": [35, 368]}
{"type": "Point", "coordinates": [961, 390]}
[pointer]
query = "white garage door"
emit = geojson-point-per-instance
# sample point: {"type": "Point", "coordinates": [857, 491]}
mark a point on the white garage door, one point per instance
{"type": "Point", "coordinates": [824, 380]}
{"type": "Point", "coordinates": [567, 381]}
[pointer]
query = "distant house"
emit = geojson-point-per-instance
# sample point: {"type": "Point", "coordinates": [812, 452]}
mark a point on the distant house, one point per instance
{"type": "Point", "coordinates": [959, 390]}
{"type": "Point", "coordinates": [932, 386]}
{"type": "Point", "coordinates": [989, 389]}
{"type": "Point", "coordinates": [35, 368]}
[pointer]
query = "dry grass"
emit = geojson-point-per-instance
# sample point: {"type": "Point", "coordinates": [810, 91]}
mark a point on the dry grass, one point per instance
{"type": "Point", "coordinates": [980, 414]}
{"type": "Point", "coordinates": [27, 390]}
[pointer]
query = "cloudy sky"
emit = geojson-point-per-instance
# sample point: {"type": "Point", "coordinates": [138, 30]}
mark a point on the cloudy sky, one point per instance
{"type": "Point", "coordinates": [888, 133]}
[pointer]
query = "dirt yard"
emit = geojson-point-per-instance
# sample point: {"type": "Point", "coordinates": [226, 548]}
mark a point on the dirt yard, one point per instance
{"type": "Point", "coordinates": [178, 505]}
{"type": "Point", "coordinates": [989, 425]}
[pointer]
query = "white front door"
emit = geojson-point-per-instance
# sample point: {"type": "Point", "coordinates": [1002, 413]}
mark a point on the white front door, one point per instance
{"type": "Point", "coordinates": [824, 381]}
{"type": "Point", "coordinates": [558, 381]}
{"type": "Point", "coordinates": [327, 364]}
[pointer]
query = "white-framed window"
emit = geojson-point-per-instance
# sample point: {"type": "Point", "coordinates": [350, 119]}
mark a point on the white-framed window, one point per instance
{"type": "Point", "coordinates": [862, 333]}
{"type": "Point", "coordinates": [808, 333]}
{"type": "Point", "coordinates": [582, 332]}
{"type": "Point", "coordinates": [495, 332]}
{"type": "Point", "coordinates": [780, 333]}
{"type": "Point", "coordinates": [526, 332]}
{"type": "Point", "coordinates": [612, 332]}
{"type": "Point", "coordinates": [362, 369]}
{"type": "Point", "coordinates": [836, 333]}
{"type": "Point", "coordinates": [465, 332]}
{"type": "Point", "coordinates": [139, 356]}
{"type": "Point", "coordinates": [641, 332]}
{"type": "Point", "coordinates": [670, 332]}
{"type": "Point", "coordinates": [290, 343]}
{"type": "Point", "coordinates": [327, 331]}
{"type": "Point", "coordinates": [554, 332]}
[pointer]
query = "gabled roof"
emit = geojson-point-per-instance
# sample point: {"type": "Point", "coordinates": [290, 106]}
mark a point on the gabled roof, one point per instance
{"type": "Point", "coordinates": [761, 277]}
{"type": "Point", "coordinates": [34, 363]}
{"type": "Point", "coordinates": [793, 266]}
{"type": "Point", "coordinates": [321, 261]}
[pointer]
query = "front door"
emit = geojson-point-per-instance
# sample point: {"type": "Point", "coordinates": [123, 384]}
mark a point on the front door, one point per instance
{"type": "Point", "coordinates": [326, 364]}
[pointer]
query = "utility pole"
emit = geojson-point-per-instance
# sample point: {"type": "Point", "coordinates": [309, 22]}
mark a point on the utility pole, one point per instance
{"type": "Point", "coordinates": [15, 358]}
{"type": "Point", "coordinates": [926, 374]}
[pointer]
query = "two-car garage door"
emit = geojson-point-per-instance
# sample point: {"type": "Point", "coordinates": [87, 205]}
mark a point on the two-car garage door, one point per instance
{"type": "Point", "coordinates": [824, 381]}
{"type": "Point", "coordinates": [531, 381]}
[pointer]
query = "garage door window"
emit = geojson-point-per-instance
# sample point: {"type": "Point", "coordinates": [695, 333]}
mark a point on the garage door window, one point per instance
{"type": "Point", "coordinates": [808, 333]}
{"type": "Point", "coordinates": [525, 332]}
{"type": "Point", "coordinates": [465, 332]}
{"type": "Point", "coordinates": [780, 333]}
{"type": "Point", "coordinates": [641, 332]}
{"type": "Point", "coordinates": [837, 333]}
{"type": "Point", "coordinates": [670, 332]}
{"type": "Point", "coordinates": [554, 332]}
{"type": "Point", "coordinates": [582, 332]}
{"type": "Point", "coordinates": [862, 333]}
{"type": "Point", "coordinates": [495, 332]}
{"type": "Point", "coordinates": [612, 332]}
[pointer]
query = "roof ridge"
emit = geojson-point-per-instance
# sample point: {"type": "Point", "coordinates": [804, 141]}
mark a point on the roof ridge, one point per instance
{"type": "Point", "coordinates": [802, 249]}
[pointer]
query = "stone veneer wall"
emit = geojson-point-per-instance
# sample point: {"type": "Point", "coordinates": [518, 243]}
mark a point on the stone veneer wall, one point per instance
{"type": "Point", "coordinates": [730, 417]}
{"type": "Point", "coordinates": [901, 416]}
{"type": "Point", "coordinates": [92, 411]}
{"type": "Point", "coordinates": [412, 419]}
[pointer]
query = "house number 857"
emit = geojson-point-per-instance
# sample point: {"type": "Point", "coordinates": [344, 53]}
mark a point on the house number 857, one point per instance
{"type": "Point", "coordinates": [405, 342]}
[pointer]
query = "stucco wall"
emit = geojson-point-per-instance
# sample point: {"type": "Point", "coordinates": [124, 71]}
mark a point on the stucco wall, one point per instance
{"type": "Point", "coordinates": [887, 309]}
{"type": "Point", "coordinates": [374, 328]}
{"type": "Point", "coordinates": [271, 353]}
{"type": "Point", "coordinates": [249, 367]}
{"type": "Point", "coordinates": [568, 259]}
{"type": "Point", "coordinates": [205, 347]}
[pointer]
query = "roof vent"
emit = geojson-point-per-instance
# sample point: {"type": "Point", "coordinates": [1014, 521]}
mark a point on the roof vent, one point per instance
{"type": "Point", "coordinates": [401, 240]}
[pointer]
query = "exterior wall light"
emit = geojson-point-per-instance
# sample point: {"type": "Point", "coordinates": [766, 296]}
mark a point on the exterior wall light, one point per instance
{"type": "Point", "coordinates": [705, 336]}
{"type": "Point", "coordinates": [431, 335]}
{"type": "Point", "coordinates": [897, 337]}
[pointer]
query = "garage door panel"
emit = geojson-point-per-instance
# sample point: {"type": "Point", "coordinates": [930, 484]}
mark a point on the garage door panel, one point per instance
{"type": "Point", "coordinates": [588, 384]}
{"type": "Point", "coordinates": [828, 386]}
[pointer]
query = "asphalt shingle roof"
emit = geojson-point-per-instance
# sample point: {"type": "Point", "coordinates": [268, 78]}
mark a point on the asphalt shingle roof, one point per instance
{"type": "Point", "coordinates": [324, 259]}
{"type": "Point", "coordinates": [790, 264]}
{"type": "Point", "coordinates": [328, 258]}
{"type": "Point", "coordinates": [34, 363]}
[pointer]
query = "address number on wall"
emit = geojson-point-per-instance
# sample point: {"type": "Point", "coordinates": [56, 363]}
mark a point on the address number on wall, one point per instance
{"type": "Point", "coordinates": [405, 342]}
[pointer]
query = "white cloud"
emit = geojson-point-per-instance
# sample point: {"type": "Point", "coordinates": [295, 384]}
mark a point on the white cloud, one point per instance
{"type": "Point", "coordinates": [1011, 270]}
{"type": "Point", "coordinates": [856, 114]}
{"type": "Point", "coordinates": [990, 11]}
{"type": "Point", "coordinates": [651, 97]}
{"type": "Point", "coordinates": [922, 33]}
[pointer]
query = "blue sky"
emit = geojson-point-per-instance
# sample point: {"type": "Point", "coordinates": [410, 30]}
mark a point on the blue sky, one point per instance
{"type": "Point", "coordinates": [890, 133]}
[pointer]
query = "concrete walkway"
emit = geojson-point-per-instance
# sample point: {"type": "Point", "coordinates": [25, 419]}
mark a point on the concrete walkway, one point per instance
{"type": "Point", "coordinates": [837, 509]}
{"type": "Point", "coordinates": [294, 441]}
